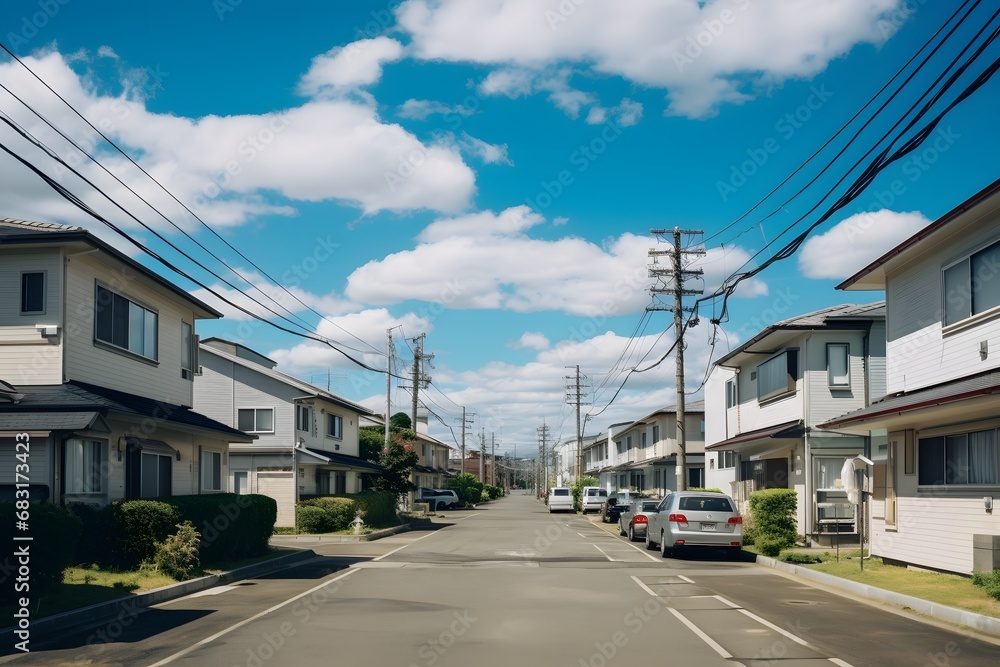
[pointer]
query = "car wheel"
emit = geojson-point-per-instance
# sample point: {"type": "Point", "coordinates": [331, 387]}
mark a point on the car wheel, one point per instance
{"type": "Point", "coordinates": [665, 551]}
{"type": "Point", "coordinates": [631, 533]}
{"type": "Point", "coordinates": [650, 545]}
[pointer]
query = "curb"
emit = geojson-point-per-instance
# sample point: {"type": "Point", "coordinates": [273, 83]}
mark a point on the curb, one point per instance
{"type": "Point", "coordinates": [122, 610]}
{"type": "Point", "coordinates": [985, 624]}
{"type": "Point", "coordinates": [297, 540]}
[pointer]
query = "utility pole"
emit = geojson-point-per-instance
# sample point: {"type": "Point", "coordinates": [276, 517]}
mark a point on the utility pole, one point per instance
{"type": "Point", "coordinates": [574, 396]}
{"type": "Point", "coordinates": [493, 459]}
{"type": "Point", "coordinates": [543, 437]}
{"type": "Point", "coordinates": [677, 274]}
{"type": "Point", "coordinates": [482, 454]}
{"type": "Point", "coordinates": [419, 376]}
{"type": "Point", "coordinates": [388, 382]}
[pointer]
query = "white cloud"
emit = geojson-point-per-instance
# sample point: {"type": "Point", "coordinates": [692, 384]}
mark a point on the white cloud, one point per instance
{"type": "Point", "coordinates": [353, 66]}
{"type": "Point", "coordinates": [423, 109]}
{"type": "Point", "coordinates": [227, 168]}
{"type": "Point", "coordinates": [857, 241]}
{"type": "Point", "coordinates": [626, 114]}
{"type": "Point", "coordinates": [532, 340]}
{"type": "Point", "coordinates": [487, 152]}
{"type": "Point", "coordinates": [487, 260]}
{"type": "Point", "coordinates": [703, 54]}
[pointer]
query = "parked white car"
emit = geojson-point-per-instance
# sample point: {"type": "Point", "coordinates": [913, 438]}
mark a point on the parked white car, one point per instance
{"type": "Point", "coordinates": [695, 519]}
{"type": "Point", "coordinates": [560, 499]}
{"type": "Point", "coordinates": [634, 518]}
{"type": "Point", "coordinates": [592, 498]}
{"type": "Point", "coordinates": [437, 499]}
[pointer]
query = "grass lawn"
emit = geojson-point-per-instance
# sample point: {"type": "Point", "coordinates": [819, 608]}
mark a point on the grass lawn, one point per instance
{"type": "Point", "coordinates": [948, 589]}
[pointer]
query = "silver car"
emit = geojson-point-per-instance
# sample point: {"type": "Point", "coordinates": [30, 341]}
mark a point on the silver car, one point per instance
{"type": "Point", "coordinates": [695, 518]}
{"type": "Point", "coordinates": [634, 518]}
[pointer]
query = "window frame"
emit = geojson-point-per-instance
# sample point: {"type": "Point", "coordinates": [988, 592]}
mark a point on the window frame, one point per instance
{"type": "Point", "coordinates": [102, 461]}
{"type": "Point", "coordinates": [214, 466]}
{"type": "Point", "coordinates": [336, 433]}
{"type": "Point", "coordinates": [968, 288]}
{"type": "Point", "coordinates": [44, 289]}
{"type": "Point", "coordinates": [255, 420]}
{"type": "Point", "coordinates": [111, 344]}
{"type": "Point", "coordinates": [791, 376]}
{"type": "Point", "coordinates": [303, 420]}
{"type": "Point", "coordinates": [189, 356]}
{"type": "Point", "coordinates": [159, 472]}
{"type": "Point", "coordinates": [946, 441]}
{"type": "Point", "coordinates": [732, 396]}
{"type": "Point", "coordinates": [846, 347]}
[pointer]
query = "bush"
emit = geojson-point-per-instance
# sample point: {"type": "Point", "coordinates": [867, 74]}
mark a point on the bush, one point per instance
{"type": "Point", "coordinates": [327, 514]}
{"type": "Point", "coordinates": [769, 545]}
{"type": "Point", "coordinates": [55, 532]}
{"type": "Point", "coordinates": [773, 513]}
{"type": "Point", "coordinates": [577, 489]}
{"type": "Point", "coordinates": [989, 582]}
{"type": "Point", "coordinates": [468, 488]}
{"type": "Point", "coordinates": [232, 526]}
{"type": "Point", "coordinates": [492, 492]}
{"type": "Point", "coordinates": [705, 488]}
{"type": "Point", "coordinates": [339, 512]}
{"type": "Point", "coordinates": [749, 534]}
{"type": "Point", "coordinates": [177, 556]}
{"type": "Point", "coordinates": [798, 558]}
{"type": "Point", "coordinates": [313, 519]}
{"type": "Point", "coordinates": [96, 521]}
{"type": "Point", "coordinates": [378, 509]}
{"type": "Point", "coordinates": [137, 527]}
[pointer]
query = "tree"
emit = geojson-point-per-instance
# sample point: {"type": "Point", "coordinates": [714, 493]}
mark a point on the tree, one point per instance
{"type": "Point", "coordinates": [400, 420]}
{"type": "Point", "coordinates": [371, 442]}
{"type": "Point", "coordinates": [397, 461]}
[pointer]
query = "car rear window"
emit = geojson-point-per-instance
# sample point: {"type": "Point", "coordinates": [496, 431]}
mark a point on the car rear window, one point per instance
{"type": "Point", "coordinates": [649, 506]}
{"type": "Point", "coordinates": [560, 492]}
{"type": "Point", "coordinates": [597, 492]}
{"type": "Point", "coordinates": [705, 504]}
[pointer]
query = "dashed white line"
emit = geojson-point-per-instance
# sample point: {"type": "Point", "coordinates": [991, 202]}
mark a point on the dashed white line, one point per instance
{"type": "Point", "coordinates": [644, 586]}
{"type": "Point", "coordinates": [687, 579]}
{"type": "Point", "coordinates": [701, 635]}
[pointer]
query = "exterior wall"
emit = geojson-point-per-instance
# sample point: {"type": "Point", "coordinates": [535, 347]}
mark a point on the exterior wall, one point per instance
{"type": "Point", "coordinates": [717, 424]}
{"type": "Point", "coordinates": [826, 403]}
{"type": "Point", "coordinates": [919, 352]}
{"type": "Point", "coordinates": [88, 362]}
{"type": "Point", "coordinates": [876, 361]}
{"type": "Point", "coordinates": [27, 357]}
{"type": "Point", "coordinates": [750, 415]}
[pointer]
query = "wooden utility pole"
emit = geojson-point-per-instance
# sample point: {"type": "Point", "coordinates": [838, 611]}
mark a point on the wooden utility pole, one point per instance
{"type": "Point", "coordinates": [388, 383]}
{"type": "Point", "coordinates": [677, 274]}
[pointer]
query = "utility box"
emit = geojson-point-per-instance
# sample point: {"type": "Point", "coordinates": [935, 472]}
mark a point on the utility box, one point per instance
{"type": "Point", "coordinates": [985, 553]}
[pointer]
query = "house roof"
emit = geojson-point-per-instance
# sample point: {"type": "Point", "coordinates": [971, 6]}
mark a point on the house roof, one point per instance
{"type": "Point", "coordinates": [873, 276]}
{"type": "Point", "coordinates": [68, 403]}
{"type": "Point", "coordinates": [309, 390]}
{"type": "Point", "coordinates": [844, 316]}
{"type": "Point", "coordinates": [976, 393]}
{"type": "Point", "coordinates": [17, 232]}
{"type": "Point", "coordinates": [693, 407]}
{"type": "Point", "coordinates": [344, 459]}
{"type": "Point", "coordinates": [53, 421]}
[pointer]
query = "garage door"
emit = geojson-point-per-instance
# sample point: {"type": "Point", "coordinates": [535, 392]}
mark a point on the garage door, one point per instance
{"type": "Point", "coordinates": [278, 485]}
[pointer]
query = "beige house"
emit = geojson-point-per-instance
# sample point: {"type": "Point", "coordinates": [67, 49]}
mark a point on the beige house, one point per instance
{"type": "Point", "coordinates": [307, 437]}
{"type": "Point", "coordinates": [98, 356]}
{"type": "Point", "coordinates": [934, 435]}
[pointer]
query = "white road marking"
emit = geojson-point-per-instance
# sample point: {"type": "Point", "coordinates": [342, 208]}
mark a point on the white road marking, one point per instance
{"type": "Point", "coordinates": [180, 654]}
{"type": "Point", "coordinates": [403, 547]}
{"type": "Point", "coordinates": [687, 579]}
{"type": "Point", "coordinates": [212, 591]}
{"type": "Point", "coordinates": [644, 586]}
{"type": "Point", "coordinates": [704, 637]}
{"type": "Point", "coordinates": [774, 627]}
{"type": "Point", "coordinates": [725, 601]}
{"type": "Point", "coordinates": [605, 554]}
{"type": "Point", "coordinates": [841, 663]}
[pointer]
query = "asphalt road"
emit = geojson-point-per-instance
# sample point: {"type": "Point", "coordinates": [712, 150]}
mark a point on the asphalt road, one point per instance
{"type": "Point", "coordinates": [509, 584]}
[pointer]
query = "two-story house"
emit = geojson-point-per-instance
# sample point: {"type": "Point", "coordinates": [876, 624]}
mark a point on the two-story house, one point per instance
{"type": "Point", "coordinates": [934, 435]}
{"type": "Point", "coordinates": [766, 397]}
{"type": "Point", "coordinates": [643, 453]}
{"type": "Point", "coordinates": [100, 356]}
{"type": "Point", "coordinates": [307, 438]}
{"type": "Point", "coordinates": [431, 471]}
{"type": "Point", "coordinates": [595, 458]}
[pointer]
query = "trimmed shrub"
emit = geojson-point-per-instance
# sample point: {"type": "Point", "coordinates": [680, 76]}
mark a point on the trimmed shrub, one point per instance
{"type": "Point", "coordinates": [797, 558]}
{"type": "Point", "coordinates": [177, 556]}
{"type": "Point", "coordinates": [338, 513]}
{"type": "Point", "coordinates": [137, 527]}
{"type": "Point", "coordinates": [312, 519]}
{"type": "Point", "coordinates": [705, 488]}
{"type": "Point", "coordinates": [773, 512]}
{"type": "Point", "coordinates": [55, 532]}
{"type": "Point", "coordinates": [96, 521]}
{"type": "Point", "coordinates": [377, 509]}
{"type": "Point", "coordinates": [232, 526]}
{"type": "Point", "coordinates": [468, 488]}
{"type": "Point", "coordinates": [769, 545]}
{"type": "Point", "coordinates": [989, 582]}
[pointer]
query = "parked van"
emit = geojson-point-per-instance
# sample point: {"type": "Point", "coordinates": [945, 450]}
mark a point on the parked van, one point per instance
{"type": "Point", "coordinates": [561, 499]}
{"type": "Point", "coordinates": [592, 498]}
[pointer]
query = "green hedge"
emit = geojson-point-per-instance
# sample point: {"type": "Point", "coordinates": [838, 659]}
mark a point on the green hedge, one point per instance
{"type": "Point", "coordinates": [55, 532]}
{"type": "Point", "coordinates": [327, 514]}
{"type": "Point", "coordinates": [232, 526]}
{"type": "Point", "coordinates": [773, 513]}
{"type": "Point", "coordinates": [137, 527]}
{"type": "Point", "coordinates": [467, 487]}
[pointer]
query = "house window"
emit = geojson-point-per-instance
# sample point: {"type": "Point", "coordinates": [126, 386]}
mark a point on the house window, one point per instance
{"type": "Point", "coordinates": [125, 324]}
{"type": "Point", "coordinates": [189, 352]}
{"type": "Point", "coordinates": [838, 370]}
{"type": "Point", "coordinates": [727, 459]}
{"type": "Point", "coordinates": [731, 393]}
{"type": "Point", "coordinates": [656, 434]}
{"type": "Point", "coordinates": [302, 422]}
{"type": "Point", "coordinates": [85, 466]}
{"type": "Point", "coordinates": [628, 443]}
{"type": "Point", "coordinates": [255, 420]}
{"type": "Point", "coordinates": [971, 286]}
{"type": "Point", "coordinates": [335, 426]}
{"type": "Point", "coordinates": [643, 440]}
{"type": "Point", "coordinates": [33, 293]}
{"type": "Point", "coordinates": [963, 458]}
{"type": "Point", "coordinates": [777, 375]}
{"type": "Point", "coordinates": [340, 481]}
{"type": "Point", "coordinates": [156, 476]}
{"type": "Point", "coordinates": [211, 471]}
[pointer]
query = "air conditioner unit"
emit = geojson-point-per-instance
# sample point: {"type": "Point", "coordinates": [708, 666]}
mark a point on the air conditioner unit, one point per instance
{"type": "Point", "coordinates": [47, 329]}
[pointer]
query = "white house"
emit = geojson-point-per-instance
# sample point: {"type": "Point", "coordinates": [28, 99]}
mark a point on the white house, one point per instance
{"type": "Point", "coordinates": [642, 455]}
{"type": "Point", "coordinates": [303, 432]}
{"type": "Point", "coordinates": [934, 435]}
{"type": "Point", "coordinates": [99, 356]}
{"type": "Point", "coordinates": [766, 397]}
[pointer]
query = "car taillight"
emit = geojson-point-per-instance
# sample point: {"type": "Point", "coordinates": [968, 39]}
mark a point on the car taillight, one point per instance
{"type": "Point", "coordinates": [678, 518]}
{"type": "Point", "coordinates": [735, 519]}
{"type": "Point", "coordinates": [640, 519]}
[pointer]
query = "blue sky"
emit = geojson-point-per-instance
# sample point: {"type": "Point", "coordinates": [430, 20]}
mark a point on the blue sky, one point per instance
{"type": "Point", "coordinates": [488, 173]}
